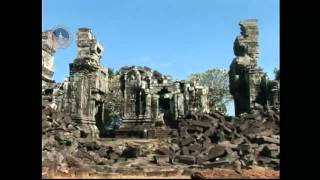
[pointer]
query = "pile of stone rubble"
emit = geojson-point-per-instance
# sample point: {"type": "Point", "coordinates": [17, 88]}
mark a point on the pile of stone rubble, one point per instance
{"type": "Point", "coordinates": [207, 140]}
{"type": "Point", "coordinates": [214, 140]}
{"type": "Point", "coordinates": [63, 150]}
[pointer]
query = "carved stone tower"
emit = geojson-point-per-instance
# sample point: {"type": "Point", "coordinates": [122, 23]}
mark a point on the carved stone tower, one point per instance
{"type": "Point", "coordinates": [87, 85]}
{"type": "Point", "coordinates": [47, 58]}
{"type": "Point", "coordinates": [247, 82]}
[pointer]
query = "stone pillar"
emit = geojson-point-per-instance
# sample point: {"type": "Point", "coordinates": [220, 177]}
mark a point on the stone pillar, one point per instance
{"type": "Point", "coordinates": [179, 105]}
{"type": "Point", "coordinates": [133, 105]}
{"type": "Point", "coordinates": [244, 76]}
{"type": "Point", "coordinates": [141, 103]}
{"type": "Point", "coordinates": [87, 83]}
{"type": "Point", "coordinates": [125, 98]}
{"type": "Point", "coordinates": [148, 105]}
{"type": "Point", "coordinates": [155, 107]}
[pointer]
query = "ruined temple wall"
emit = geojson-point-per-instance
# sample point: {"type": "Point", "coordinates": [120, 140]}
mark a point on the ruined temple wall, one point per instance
{"type": "Point", "coordinates": [48, 52]}
{"type": "Point", "coordinates": [244, 77]}
{"type": "Point", "coordinates": [249, 84]}
{"type": "Point", "coordinates": [87, 85]}
{"type": "Point", "coordinates": [76, 94]}
{"type": "Point", "coordinates": [99, 80]}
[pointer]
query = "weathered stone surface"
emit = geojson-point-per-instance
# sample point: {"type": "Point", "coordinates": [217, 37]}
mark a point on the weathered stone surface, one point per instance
{"type": "Point", "coordinates": [81, 94]}
{"type": "Point", "coordinates": [175, 140]}
{"type": "Point", "coordinates": [155, 99]}
{"type": "Point", "coordinates": [244, 147]}
{"type": "Point", "coordinates": [200, 159]}
{"type": "Point", "coordinates": [216, 151]}
{"type": "Point", "coordinates": [166, 151]}
{"type": "Point", "coordinates": [201, 124]}
{"type": "Point", "coordinates": [206, 143]}
{"type": "Point", "coordinates": [104, 152]}
{"type": "Point", "coordinates": [174, 147]}
{"type": "Point", "coordinates": [161, 159]}
{"type": "Point", "coordinates": [174, 133]}
{"type": "Point", "coordinates": [131, 152]}
{"type": "Point", "coordinates": [187, 159]}
{"type": "Point", "coordinates": [195, 153]}
{"type": "Point", "coordinates": [113, 155]}
{"type": "Point", "coordinates": [209, 132]}
{"type": "Point", "coordinates": [228, 144]}
{"type": "Point", "coordinates": [194, 128]}
{"type": "Point", "coordinates": [195, 147]}
{"type": "Point", "coordinates": [218, 163]}
{"type": "Point", "coordinates": [187, 141]}
{"type": "Point", "coordinates": [73, 162]}
{"type": "Point", "coordinates": [264, 160]}
{"type": "Point", "coordinates": [91, 145]}
{"type": "Point", "coordinates": [250, 160]}
{"type": "Point", "coordinates": [269, 151]}
{"type": "Point", "coordinates": [185, 151]}
{"type": "Point", "coordinates": [238, 140]}
{"type": "Point", "coordinates": [265, 139]}
{"type": "Point", "coordinates": [48, 51]}
{"type": "Point", "coordinates": [248, 84]}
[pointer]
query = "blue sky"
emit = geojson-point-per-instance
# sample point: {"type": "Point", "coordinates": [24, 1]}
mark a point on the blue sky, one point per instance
{"type": "Point", "coordinates": [176, 37]}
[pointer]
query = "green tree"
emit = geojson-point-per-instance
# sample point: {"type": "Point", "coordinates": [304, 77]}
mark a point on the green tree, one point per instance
{"type": "Point", "coordinates": [111, 72]}
{"type": "Point", "coordinates": [113, 100]}
{"type": "Point", "coordinates": [217, 80]}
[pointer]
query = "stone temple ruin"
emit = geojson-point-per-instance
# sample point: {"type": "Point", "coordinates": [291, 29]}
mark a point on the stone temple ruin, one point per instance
{"type": "Point", "coordinates": [86, 85]}
{"type": "Point", "coordinates": [151, 101]}
{"type": "Point", "coordinates": [47, 59]}
{"type": "Point", "coordinates": [154, 100]}
{"type": "Point", "coordinates": [83, 91]}
{"type": "Point", "coordinates": [176, 114]}
{"type": "Point", "coordinates": [248, 83]}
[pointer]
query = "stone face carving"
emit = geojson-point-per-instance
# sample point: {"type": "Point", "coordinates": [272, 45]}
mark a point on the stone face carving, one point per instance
{"type": "Point", "coordinates": [248, 83]}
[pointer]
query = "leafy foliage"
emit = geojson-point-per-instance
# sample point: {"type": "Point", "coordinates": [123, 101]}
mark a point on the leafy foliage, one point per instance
{"type": "Point", "coordinates": [111, 73]}
{"type": "Point", "coordinates": [113, 103]}
{"type": "Point", "coordinates": [217, 80]}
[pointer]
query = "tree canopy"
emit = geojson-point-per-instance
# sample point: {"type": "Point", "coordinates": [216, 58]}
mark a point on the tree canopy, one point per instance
{"type": "Point", "coordinates": [217, 80]}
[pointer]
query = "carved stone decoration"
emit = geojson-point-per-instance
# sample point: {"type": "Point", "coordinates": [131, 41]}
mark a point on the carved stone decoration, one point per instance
{"type": "Point", "coordinates": [86, 86]}
{"type": "Point", "coordinates": [48, 52]}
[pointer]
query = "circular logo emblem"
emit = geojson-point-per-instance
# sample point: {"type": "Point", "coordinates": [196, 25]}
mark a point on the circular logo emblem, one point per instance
{"type": "Point", "coordinates": [61, 37]}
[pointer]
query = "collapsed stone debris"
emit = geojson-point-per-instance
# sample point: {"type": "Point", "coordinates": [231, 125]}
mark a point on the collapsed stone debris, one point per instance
{"type": "Point", "coordinates": [225, 140]}
{"type": "Point", "coordinates": [152, 105]}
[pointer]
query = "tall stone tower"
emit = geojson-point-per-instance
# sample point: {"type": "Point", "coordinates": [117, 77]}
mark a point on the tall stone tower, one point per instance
{"type": "Point", "coordinates": [87, 85]}
{"type": "Point", "coordinates": [48, 52]}
{"type": "Point", "coordinates": [247, 82]}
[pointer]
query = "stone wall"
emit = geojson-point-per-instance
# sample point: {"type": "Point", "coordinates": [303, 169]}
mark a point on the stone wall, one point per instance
{"type": "Point", "coordinates": [152, 99]}
{"type": "Point", "coordinates": [48, 52]}
{"type": "Point", "coordinates": [248, 83]}
{"type": "Point", "coordinates": [87, 85]}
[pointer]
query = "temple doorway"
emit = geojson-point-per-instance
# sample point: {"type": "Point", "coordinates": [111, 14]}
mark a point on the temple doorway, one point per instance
{"type": "Point", "coordinates": [165, 105]}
